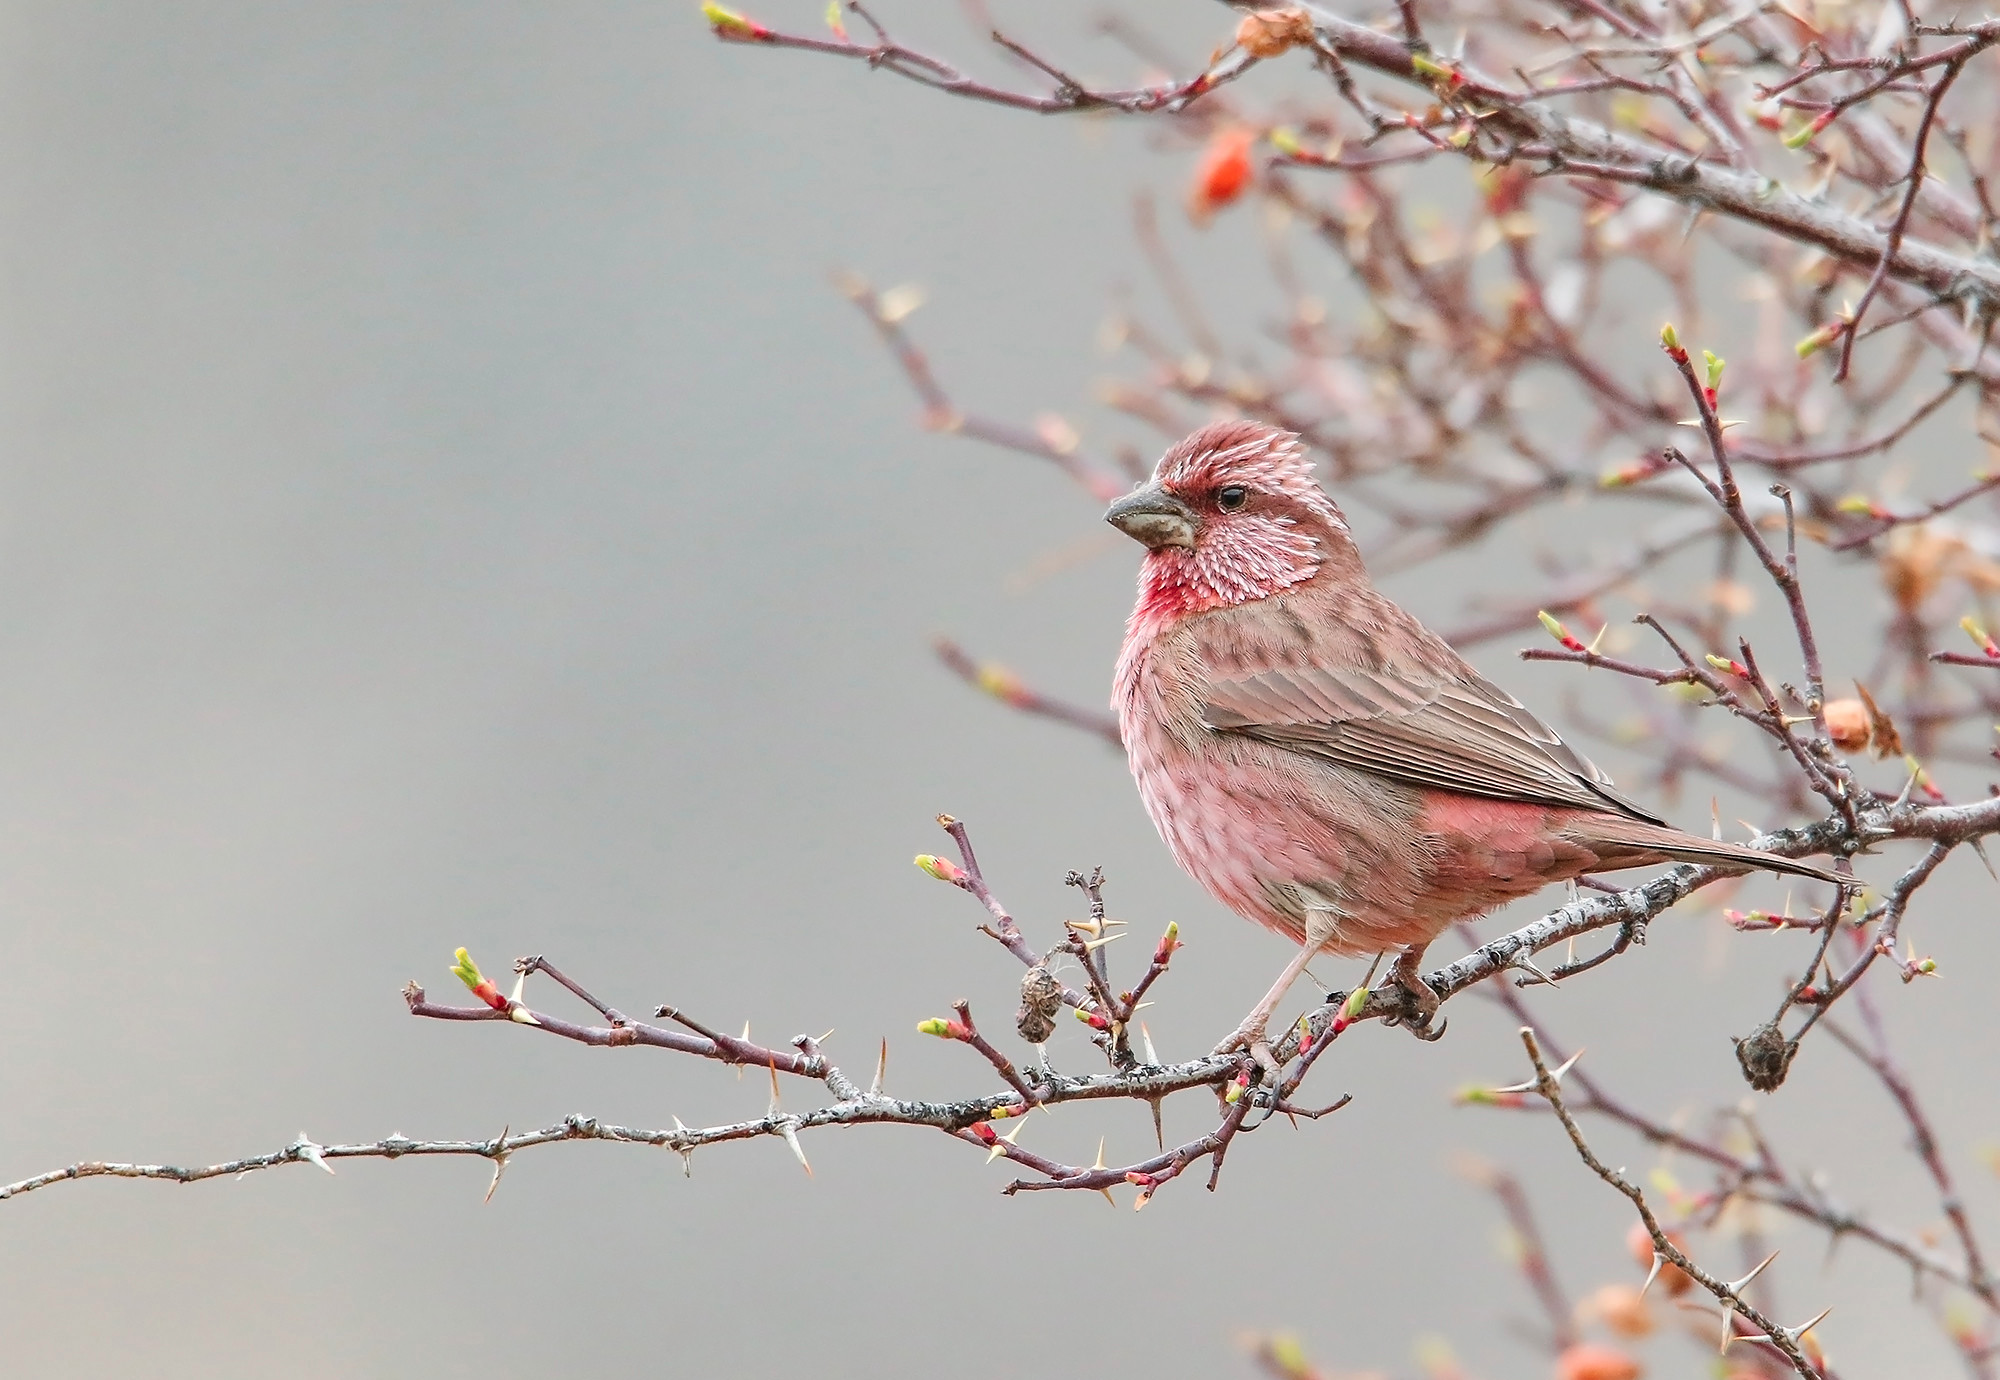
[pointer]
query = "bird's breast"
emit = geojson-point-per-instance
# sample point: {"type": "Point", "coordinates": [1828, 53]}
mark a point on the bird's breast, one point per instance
{"type": "Point", "coordinates": [1257, 826]}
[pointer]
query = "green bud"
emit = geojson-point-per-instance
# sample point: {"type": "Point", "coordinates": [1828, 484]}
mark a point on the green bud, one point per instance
{"type": "Point", "coordinates": [939, 868]}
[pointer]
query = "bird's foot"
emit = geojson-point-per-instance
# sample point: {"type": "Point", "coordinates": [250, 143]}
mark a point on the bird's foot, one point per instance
{"type": "Point", "coordinates": [1420, 1000]}
{"type": "Point", "coordinates": [1250, 1037]}
{"type": "Point", "coordinates": [1421, 1027]}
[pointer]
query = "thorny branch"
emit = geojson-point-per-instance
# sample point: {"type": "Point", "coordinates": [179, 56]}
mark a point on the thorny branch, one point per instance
{"type": "Point", "coordinates": [972, 1120]}
{"type": "Point", "coordinates": [1759, 1177]}
{"type": "Point", "coordinates": [885, 54]}
{"type": "Point", "coordinates": [1504, 124]}
{"type": "Point", "coordinates": [1110, 1015]}
{"type": "Point", "coordinates": [1666, 1250]}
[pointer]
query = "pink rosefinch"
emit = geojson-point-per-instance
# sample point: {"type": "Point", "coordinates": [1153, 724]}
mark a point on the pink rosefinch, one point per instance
{"type": "Point", "coordinates": [1318, 759]}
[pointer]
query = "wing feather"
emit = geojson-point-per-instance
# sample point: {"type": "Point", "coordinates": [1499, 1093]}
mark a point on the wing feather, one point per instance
{"type": "Point", "coordinates": [1467, 736]}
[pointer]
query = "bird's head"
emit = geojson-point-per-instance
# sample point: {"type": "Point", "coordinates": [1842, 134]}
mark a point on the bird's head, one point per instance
{"type": "Point", "coordinates": [1231, 514]}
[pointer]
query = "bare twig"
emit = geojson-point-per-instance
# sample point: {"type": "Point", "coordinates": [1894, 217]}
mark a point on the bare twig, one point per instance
{"type": "Point", "coordinates": [1785, 1339]}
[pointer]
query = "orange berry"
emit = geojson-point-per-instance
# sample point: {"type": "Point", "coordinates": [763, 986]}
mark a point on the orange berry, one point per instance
{"type": "Point", "coordinates": [1621, 1308]}
{"type": "Point", "coordinates": [1223, 173]}
{"type": "Point", "coordinates": [1673, 1278]}
{"type": "Point", "coordinates": [1588, 1361]}
{"type": "Point", "coordinates": [1847, 724]}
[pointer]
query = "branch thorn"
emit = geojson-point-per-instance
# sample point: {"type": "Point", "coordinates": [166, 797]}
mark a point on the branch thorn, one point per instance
{"type": "Point", "coordinates": [1000, 1142]}
{"type": "Point", "coordinates": [1737, 1286]}
{"type": "Point", "coordinates": [791, 1135]}
{"type": "Point", "coordinates": [307, 1150]}
{"type": "Point", "coordinates": [500, 1157]}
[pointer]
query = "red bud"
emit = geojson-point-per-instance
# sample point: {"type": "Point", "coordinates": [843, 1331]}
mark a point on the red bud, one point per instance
{"type": "Point", "coordinates": [1223, 173]}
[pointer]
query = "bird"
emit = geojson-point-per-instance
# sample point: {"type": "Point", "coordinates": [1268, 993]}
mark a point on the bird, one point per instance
{"type": "Point", "coordinates": [1316, 758]}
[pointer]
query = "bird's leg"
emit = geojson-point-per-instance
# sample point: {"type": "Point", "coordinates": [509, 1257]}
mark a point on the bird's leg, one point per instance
{"type": "Point", "coordinates": [1407, 972]}
{"type": "Point", "coordinates": [1253, 1027]}
{"type": "Point", "coordinates": [1251, 1034]}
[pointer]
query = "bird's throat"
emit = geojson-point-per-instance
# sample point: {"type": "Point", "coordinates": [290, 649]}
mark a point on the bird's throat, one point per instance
{"type": "Point", "coordinates": [1225, 568]}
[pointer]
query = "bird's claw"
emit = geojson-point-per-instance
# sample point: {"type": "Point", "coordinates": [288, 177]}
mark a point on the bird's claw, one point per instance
{"type": "Point", "coordinates": [1420, 1008]}
{"type": "Point", "coordinates": [1252, 1040]}
{"type": "Point", "coordinates": [1420, 1028]}
{"type": "Point", "coordinates": [1420, 1000]}
{"type": "Point", "coordinates": [1427, 1032]}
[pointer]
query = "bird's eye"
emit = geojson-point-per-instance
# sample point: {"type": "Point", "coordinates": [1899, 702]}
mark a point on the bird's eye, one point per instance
{"type": "Point", "coordinates": [1231, 498]}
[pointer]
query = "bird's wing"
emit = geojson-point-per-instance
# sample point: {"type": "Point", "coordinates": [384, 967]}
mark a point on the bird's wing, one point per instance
{"type": "Point", "coordinates": [1463, 735]}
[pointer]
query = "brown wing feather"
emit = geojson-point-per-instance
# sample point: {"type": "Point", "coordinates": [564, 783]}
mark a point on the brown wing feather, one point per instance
{"type": "Point", "coordinates": [1467, 736]}
{"type": "Point", "coordinates": [1606, 834]}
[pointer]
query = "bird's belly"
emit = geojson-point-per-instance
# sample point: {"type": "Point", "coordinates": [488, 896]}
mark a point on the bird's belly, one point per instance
{"type": "Point", "coordinates": [1227, 836]}
{"type": "Point", "coordinates": [1272, 840]}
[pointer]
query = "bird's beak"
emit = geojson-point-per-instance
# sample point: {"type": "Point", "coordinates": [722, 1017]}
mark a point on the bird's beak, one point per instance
{"type": "Point", "coordinates": [1155, 517]}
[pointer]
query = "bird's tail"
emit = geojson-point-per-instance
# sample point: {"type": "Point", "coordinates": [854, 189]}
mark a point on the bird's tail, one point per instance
{"type": "Point", "coordinates": [1621, 842]}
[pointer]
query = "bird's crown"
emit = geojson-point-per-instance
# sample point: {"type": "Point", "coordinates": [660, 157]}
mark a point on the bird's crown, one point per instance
{"type": "Point", "coordinates": [1248, 453]}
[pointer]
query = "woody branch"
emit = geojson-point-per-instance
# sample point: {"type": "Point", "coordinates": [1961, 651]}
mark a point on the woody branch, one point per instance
{"type": "Point", "coordinates": [1507, 123]}
{"type": "Point", "coordinates": [1548, 1084]}
{"type": "Point", "coordinates": [1110, 1014]}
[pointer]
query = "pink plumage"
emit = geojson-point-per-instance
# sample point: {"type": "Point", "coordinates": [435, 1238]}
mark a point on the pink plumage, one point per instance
{"type": "Point", "coordinates": [1313, 755]}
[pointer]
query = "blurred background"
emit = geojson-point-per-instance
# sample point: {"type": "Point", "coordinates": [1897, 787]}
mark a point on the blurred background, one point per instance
{"type": "Point", "coordinates": [444, 500]}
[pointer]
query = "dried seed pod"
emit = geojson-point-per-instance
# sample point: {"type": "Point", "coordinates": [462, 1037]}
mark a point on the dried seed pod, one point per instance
{"type": "Point", "coordinates": [1268, 33]}
{"type": "Point", "coordinates": [1041, 999]}
{"type": "Point", "coordinates": [1766, 1057]}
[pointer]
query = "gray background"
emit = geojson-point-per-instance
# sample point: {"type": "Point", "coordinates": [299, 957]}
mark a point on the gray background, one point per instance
{"type": "Point", "coordinates": [442, 501]}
